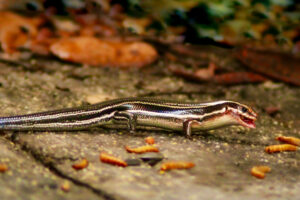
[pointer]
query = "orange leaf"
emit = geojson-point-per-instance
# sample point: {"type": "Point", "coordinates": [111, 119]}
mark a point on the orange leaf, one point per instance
{"type": "Point", "coordinates": [15, 30]}
{"type": "Point", "coordinates": [94, 51]}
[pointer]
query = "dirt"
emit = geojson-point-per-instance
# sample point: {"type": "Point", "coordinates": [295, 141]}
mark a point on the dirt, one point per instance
{"type": "Point", "coordinates": [39, 162]}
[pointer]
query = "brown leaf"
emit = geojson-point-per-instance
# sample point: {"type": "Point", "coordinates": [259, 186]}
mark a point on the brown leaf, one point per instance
{"type": "Point", "coordinates": [15, 30]}
{"type": "Point", "coordinates": [277, 65]}
{"type": "Point", "coordinates": [93, 51]}
{"type": "Point", "coordinates": [42, 42]}
{"type": "Point", "coordinates": [232, 78]}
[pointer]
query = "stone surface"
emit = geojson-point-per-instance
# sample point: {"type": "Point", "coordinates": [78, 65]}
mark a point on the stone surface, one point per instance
{"type": "Point", "coordinates": [39, 162]}
{"type": "Point", "coordinates": [27, 178]}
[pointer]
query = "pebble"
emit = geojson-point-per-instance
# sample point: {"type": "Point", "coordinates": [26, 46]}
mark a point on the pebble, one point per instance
{"type": "Point", "coordinates": [152, 158]}
{"type": "Point", "coordinates": [133, 162]}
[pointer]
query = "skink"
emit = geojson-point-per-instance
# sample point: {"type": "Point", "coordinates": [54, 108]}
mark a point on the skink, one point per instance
{"type": "Point", "coordinates": [137, 112]}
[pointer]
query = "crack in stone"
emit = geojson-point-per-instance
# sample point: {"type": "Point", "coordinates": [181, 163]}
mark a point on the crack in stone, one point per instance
{"type": "Point", "coordinates": [50, 165]}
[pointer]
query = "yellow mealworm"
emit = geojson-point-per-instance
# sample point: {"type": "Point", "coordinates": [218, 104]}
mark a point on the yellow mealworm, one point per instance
{"type": "Point", "coordinates": [81, 165]}
{"type": "Point", "coordinates": [3, 167]}
{"type": "Point", "coordinates": [259, 171]}
{"type": "Point", "coordinates": [289, 140]}
{"type": "Point", "coordinates": [142, 149]}
{"type": "Point", "coordinates": [149, 140]}
{"type": "Point", "coordinates": [280, 147]}
{"type": "Point", "coordinates": [176, 165]}
{"type": "Point", "coordinates": [106, 158]}
{"type": "Point", "coordinates": [65, 186]}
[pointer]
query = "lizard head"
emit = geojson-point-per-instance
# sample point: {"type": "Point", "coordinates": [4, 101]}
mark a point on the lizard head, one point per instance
{"type": "Point", "coordinates": [243, 114]}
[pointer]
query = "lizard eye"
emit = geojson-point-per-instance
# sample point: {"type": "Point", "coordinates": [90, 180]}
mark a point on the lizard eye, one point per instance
{"type": "Point", "coordinates": [244, 109]}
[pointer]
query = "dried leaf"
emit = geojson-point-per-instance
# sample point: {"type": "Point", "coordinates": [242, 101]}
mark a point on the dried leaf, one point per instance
{"type": "Point", "coordinates": [15, 30]}
{"type": "Point", "coordinates": [277, 65]}
{"type": "Point", "coordinates": [93, 51]}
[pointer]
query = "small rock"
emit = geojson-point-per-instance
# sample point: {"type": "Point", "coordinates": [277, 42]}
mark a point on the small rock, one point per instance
{"type": "Point", "coordinates": [53, 186]}
{"type": "Point", "coordinates": [133, 161]}
{"type": "Point", "coordinates": [152, 158]}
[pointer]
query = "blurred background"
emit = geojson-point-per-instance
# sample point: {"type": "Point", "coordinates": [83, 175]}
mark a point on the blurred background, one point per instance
{"type": "Point", "coordinates": [137, 33]}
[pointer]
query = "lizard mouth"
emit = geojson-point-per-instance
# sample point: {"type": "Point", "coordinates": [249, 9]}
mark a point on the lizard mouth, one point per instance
{"type": "Point", "coordinates": [247, 121]}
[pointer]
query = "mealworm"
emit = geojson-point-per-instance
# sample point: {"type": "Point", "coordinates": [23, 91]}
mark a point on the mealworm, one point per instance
{"type": "Point", "coordinates": [3, 167]}
{"type": "Point", "coordinates": [106, 158]}
{"type": "Point", "coordinates": [142, 149]}
{"type": "Point", "coordinates": [65, 186]}
{"type": "Point", "coordinates": [149, 140]}
{"type": "Point", "coordinates": [176, 165]}
{"type": "Point", "coordinates": [289, 140]}
{"type": "Point", "coordinates": [280, 147]}
{"type": "Point", "coordinates": [259, 171]}
{"type": "Point", "coordinates": [81, 165]}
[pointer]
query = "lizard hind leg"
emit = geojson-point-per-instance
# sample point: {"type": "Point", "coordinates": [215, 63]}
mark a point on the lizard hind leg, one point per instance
{"type": "Point", "coordinates": [129, 118]}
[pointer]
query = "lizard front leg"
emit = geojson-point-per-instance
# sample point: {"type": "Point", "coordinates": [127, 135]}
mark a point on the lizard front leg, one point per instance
{"type": "Point", "coordinates": [187, 126]}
